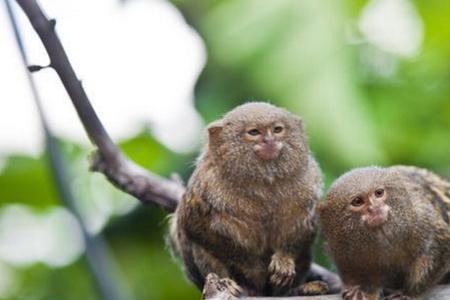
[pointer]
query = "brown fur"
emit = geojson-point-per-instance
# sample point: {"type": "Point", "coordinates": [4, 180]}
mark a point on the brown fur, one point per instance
{"type": "Point", "coordinates": [246, 218]}
{"type": "Point", "coordinates": [407, 254]}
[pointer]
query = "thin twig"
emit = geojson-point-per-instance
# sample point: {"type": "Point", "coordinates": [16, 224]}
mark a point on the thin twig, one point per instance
{"type": "Point", "coordinates": [122, 172]}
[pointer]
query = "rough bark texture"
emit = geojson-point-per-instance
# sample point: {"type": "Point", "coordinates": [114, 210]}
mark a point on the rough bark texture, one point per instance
{"type": "Point", "coordinates": [216, 289]}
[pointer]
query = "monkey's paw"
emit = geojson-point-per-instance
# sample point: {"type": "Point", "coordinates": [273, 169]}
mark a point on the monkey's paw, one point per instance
{"type": "Point", "coordinates": [398, 296]}
{"type": "Point", "coordinates": [282, 270]}
{"type": "Point", "coordinates": [313, 288]}
{"type": "Point", "coordinates": [356, 293]}
{"type": "Point", "coordinates": [226, 287]}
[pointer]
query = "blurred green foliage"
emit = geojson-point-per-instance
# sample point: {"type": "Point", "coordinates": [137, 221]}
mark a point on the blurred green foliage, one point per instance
{"type": "Point", "coordinates": [297, 54]}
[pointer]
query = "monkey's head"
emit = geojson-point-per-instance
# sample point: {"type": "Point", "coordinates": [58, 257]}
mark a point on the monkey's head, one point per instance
{"type": "Point", "coordinates": [259, 141]}
{"type": "Point", "coordinates": [367, 204]}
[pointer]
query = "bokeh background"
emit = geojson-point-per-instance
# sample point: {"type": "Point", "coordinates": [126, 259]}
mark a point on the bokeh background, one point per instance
{"type": "Point", "coordinates": [370, 78]}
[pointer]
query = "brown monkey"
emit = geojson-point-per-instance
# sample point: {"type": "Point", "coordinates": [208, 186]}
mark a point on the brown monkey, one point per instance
{"type": "Point", "coordinates": [388, 229]}
{"type": "Point", "coordinates": [248, 213]}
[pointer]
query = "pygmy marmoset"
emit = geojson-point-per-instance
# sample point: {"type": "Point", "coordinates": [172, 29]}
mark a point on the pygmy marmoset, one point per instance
{"type": "Point", "coordinates": [248, 213]}
{"type": "Point", "coordinates": [387, 229]}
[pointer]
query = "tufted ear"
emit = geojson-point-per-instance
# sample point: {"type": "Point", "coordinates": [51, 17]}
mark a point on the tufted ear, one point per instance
{"type": "Point", "coordinates": [215, 132]}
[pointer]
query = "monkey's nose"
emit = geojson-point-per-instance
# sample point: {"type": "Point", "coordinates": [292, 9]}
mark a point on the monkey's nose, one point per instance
{"type": "Point", "coordinates": [373, 208]}
{"type": "Point", "coordinates": [376, 215]}
{"type": "Point", "coordinates": [268, 139]}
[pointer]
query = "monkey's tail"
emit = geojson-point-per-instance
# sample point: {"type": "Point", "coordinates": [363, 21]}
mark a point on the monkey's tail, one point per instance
{"type": "Point", "coordinates": [181, 247]}
{"type": "Point", "coordinates": [172, 239]}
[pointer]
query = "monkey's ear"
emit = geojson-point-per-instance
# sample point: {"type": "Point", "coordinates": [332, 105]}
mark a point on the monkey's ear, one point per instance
{"type": "Point", "coordinates": [215, 127]}
{"type": "Point", "coordinates": [214, 131]}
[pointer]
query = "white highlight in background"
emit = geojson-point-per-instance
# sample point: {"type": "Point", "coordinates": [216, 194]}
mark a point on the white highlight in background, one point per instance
{"type": "Point", "coordinates": [393, 26]}
{"type": "Point", "coordinates": [138, 61]}
{"type": "Point", "coordinates": [27, 237]}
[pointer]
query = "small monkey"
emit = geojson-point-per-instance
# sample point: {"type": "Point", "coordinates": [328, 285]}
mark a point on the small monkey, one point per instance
{"type": "Point", "coordinates": [248, 213]}
{"type": "Point", "coordinates": [388, 231]}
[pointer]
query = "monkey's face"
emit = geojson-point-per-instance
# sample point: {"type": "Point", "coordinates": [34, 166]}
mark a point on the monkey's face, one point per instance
{"type": "Point", "coordinates": [266, 140]}
{"type": "Point", "coordinates": [259, 141]}
{"type": "Point", "coordinates": [367, 216]}
{"type": "Point", "coordinates": [364, 200]}
{"type": "Point", "coordinates": [371, 206]}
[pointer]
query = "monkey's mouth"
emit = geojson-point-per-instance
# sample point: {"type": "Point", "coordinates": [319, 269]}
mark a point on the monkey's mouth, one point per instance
{"type": "Point", "coordinates": [376, 217]}
{"type": "Point", "coordinates": [268, 151]}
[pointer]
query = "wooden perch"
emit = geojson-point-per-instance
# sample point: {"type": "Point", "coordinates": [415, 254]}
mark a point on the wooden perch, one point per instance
{"type": "Point", "coordinates": [218, 289]}
{"type": "Point", "coordinates": [138, 182]}
{"type": "Point", "coordinates": [126, 175]}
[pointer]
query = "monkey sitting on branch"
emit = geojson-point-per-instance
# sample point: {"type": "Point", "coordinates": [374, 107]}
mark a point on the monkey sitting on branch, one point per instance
{"type": "Point", "coordinates": [388, 231]}
{"type": "Point", "coordinates": [249, 210]}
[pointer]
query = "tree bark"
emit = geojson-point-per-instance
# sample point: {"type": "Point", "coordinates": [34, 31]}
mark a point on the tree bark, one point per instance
{"type": "Point", "coordinates": [217, 289]}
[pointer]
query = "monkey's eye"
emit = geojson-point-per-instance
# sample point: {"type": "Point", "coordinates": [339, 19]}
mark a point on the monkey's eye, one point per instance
{"type": "Point", "coordinates": [357, 201]}
{"type": "Point", "coordinates": [379, 193]}
{"type": "Point", "coordinates": [278, 129]}
{"type": "Point", "coordinates": [253, 132]}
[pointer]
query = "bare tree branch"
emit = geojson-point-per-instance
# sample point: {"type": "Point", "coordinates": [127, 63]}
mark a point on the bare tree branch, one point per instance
{"type": "Point", "coordinates": [217, 289]}
{"type": "Point", "coordinates": [320, 273]}
{"type": "Point", "coordinates": [123, 173]}
{"type": "Point", "coordinates": [136, 181]}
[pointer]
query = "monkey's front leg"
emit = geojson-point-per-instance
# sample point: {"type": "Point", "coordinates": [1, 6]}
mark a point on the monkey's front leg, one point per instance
{"type": "Point", "coordinates": [282, 269]}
